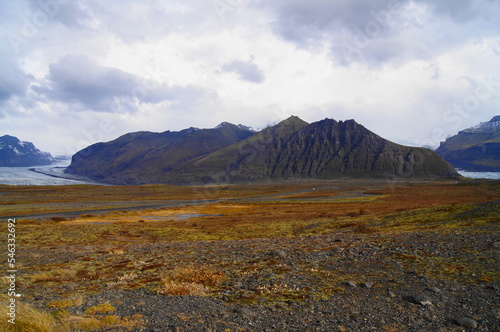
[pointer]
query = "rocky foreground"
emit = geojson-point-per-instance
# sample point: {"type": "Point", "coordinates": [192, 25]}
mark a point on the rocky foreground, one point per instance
{"type": "Point", "coordinates": [345, 281]}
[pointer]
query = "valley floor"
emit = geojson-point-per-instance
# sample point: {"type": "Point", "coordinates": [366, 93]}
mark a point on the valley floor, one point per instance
{"type": "Point", "coordinates": [351, 255]}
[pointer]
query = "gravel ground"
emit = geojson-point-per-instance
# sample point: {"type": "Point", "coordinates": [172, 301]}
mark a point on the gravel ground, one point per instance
{"type": "Point", "coordinates": [335, 282]}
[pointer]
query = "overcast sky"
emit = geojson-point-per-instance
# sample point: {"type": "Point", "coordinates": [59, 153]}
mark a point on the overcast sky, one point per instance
{"type": "Point", "coordinates": [74, 72]}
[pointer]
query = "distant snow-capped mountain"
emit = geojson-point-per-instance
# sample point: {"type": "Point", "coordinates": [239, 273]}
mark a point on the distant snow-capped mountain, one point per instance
{"type": "Point", "coordinates": [476, 149]}
{"type": "Point", "coordinates": [490, 126]}
{"type": "Point", "coordinates": [16, 153]}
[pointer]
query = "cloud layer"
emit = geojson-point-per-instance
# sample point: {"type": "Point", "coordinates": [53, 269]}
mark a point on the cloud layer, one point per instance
{"type": "Point", "coordinates": [84, 84]}
{"type": "Point", "coordinates": [247, 71]}
{"type": "Point", "coordinates": [413, 71]}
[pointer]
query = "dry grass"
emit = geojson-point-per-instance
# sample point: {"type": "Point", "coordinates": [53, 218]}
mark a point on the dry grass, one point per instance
{"type": "Point", "coordinates": [196, 274]}
{"type": "Point", "coordinates": [28, 319]}
{"type": "Point", "coordinates": [72, 301]}
{"type": "Point", "coordinates": [57, 275]}
{"type": "Point", "coordinates": [190, 280]}
{"type": "Point", "coordinates": [171, 287]}
{"type": "Point", "coordinates": [103, 308]}
{"type": "Point", "coordinates": [361, 228]}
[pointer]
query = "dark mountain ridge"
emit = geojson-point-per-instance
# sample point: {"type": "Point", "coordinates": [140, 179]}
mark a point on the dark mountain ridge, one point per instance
{"type": "Point", "coordinates": [322, 150]}
{"type": "Point", "coordinates": [15, 153]}
{"type": "Point", "coordinates": [475, 149]}
{"type": "Point", "coordinates": [144, 157]}
{"type": "Point", "coordinates": [292, 149]}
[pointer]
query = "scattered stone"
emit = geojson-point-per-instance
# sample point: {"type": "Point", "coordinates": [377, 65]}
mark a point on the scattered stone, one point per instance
{"type": "Point", "coordinates": [238, 285]}
{"type": "Point", "coordinates": [277, 253]}
{"type": "Point", "coordinates": [281, 305]}
{"type": "Point", "coordinates": [367, 284]}
{"type": "Point", "coordinates": [336, 250]}
{"type": "Point", "coordinates": [420, 299]}
{"type": "Point", "coordinates": [351, 284]}
{"type": "Point", "coordinates": [434, 289]}
{"type": "Point", "coordinates": [391, 294]}
{"type": "Point", "coordinates": [245, 312]}
{"type": "Point", "coordinates": [493, 287]}
{"type": "Point", "coordinates": [466, 322]}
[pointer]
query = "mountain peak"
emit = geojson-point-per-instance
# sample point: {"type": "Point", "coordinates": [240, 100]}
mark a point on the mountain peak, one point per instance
{"type": "Point", "coordinates": [496, 118]}
{"type": "Point", "coordinates": [230, 125]}
{"type": "Point", "coordinates": [293, 121]}
{"type": "Point", "coordinates": [224, 124]}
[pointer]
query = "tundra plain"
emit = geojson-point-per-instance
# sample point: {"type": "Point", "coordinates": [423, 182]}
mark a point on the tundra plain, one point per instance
{"type": "Point", "coordinates": [340, 255]}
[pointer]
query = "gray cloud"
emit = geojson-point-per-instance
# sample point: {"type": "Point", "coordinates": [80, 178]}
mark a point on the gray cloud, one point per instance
{"type": "Point", "coordinates": [247, 71]}
{"type": "Point", "coordinates": [304, 22]}
{"type": "Point", "coordinates": [79, 80]}
{"type": "Point", "coordinates": [13, 80]}
{"type": "Point", "coordinates": [379, 31]}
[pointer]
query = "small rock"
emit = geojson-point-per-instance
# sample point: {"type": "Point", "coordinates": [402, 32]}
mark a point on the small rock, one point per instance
{"type": "Point", "coordinates": [367, 285]}
{"type": "Point", "coordinates": [238, 285]}
{"type": "Point", "coordinates": [493, 287]}
{"type": "Point", "coordinates": [281, 305]}
{"type": "Point", "coordinates": [245, 312]}
{"type": "Point", "coordinates": [277, 254]}
{"type": "Point", "coordinates": [466, 322]}
{"type": "Point", "coordinates": [420, 299]}
{"type": "Point", "coordinates": [434, 289]}
{"type": "Point", "coordinates": [391, 294]}
{"type": "Point", "coordinates": [351, 284]}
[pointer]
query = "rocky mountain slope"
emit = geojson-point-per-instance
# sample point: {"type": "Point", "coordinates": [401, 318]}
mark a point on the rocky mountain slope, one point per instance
{"type": "Point", "coordinates": [15, 153]}
{"type": "Point", "coordinates": [321, 150]}
{"type": "Point", "coordinates": [474, 149]}
{"type": "Point", "coordinates": [233, 154]}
